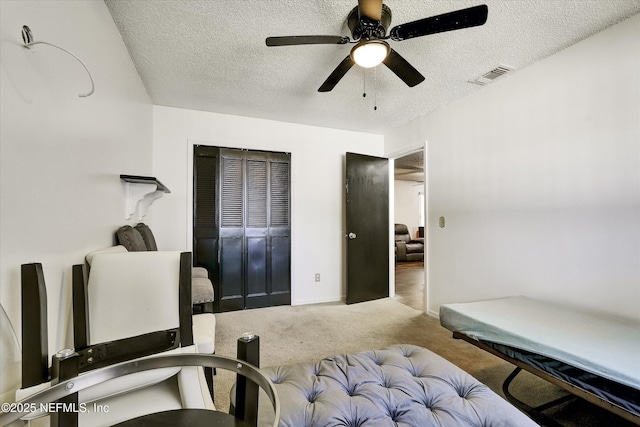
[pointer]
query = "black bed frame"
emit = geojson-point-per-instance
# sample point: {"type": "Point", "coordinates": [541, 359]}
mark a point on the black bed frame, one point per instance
{"type": "Point", "coordinates": [536, 412]}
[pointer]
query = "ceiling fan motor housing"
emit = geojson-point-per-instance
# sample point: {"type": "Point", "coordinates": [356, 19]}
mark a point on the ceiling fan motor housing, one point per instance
{"type": "Point", "coordinates": [363, 27]}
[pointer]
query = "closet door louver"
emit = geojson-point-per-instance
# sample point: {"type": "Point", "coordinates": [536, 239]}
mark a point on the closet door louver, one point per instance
{"type": "Point", "coordinates": [279, 194]}
{"type": "Point", "coordinates": [232, 194]}
{"type": "Point", "coordinates": [205, 192]}
{"type": "Point", "coordinates": [256, 193]}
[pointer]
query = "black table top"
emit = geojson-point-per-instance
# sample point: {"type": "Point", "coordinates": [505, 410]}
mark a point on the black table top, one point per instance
{"type": "Point", "coordinates": [185, 417]}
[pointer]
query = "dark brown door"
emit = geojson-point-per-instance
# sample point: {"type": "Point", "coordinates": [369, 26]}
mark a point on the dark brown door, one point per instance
{"type": "Point", "coordinates": [367, 207]}
{"type": "Point", "coordinates": [206, 207]}
{"type": "Point", "coordinates": [242, 225]}
{"type": "Point", "coordinates": [267, 229]}
{"type": "Point", "coordinates": [232, 242]}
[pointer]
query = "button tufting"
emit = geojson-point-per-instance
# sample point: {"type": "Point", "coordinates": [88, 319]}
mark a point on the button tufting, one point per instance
{"type": "Point", "coordinates": [313, 395]}
{"type": "Point", "coordinates": [427, 402]}
{"type": "Point", "coordinates": [396, 403]}
{"type": "Point", "coordinates": [394, 414]}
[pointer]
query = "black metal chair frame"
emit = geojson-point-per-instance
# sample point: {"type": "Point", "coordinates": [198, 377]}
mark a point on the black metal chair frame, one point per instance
{"type": "Point", "coordinates": [99, 362]}
{"type": "Point", "coordinates": [66, 391]}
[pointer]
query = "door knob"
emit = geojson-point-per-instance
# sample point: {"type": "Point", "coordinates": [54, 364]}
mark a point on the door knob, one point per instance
{"type": "Point", "coordinates": [352, 236]}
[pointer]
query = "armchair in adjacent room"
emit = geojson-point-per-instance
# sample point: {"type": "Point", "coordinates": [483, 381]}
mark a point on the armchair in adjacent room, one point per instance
{"type": "Point", "coordinates": [407, 248]}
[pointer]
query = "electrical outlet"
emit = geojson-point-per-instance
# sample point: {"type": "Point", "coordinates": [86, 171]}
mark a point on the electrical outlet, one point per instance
{"type": "Point", "coordinates": [317, 277]}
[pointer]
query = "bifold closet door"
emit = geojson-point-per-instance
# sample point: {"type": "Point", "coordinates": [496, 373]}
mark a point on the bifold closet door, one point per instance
{"type": "Point", "coordinates": [279, 229]}
{"type": "Point", "coordinates": [232, 246]}
{"type": "Point", "coordinates": [266, 235]}
{"type": "Point", "coordinates": [254, 243]}
{"type": "Point", "coordinates": [206, 204]}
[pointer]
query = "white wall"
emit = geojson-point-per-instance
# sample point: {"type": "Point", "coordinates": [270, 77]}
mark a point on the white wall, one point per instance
{"type": "Point", "coordinates": [317, 186]}
{"type": "Point", "coordinates": [407, 204]}
{"type": "Point", "coordinates": [538, 176]}
{"type": "Point", "coordinates": [61, 155]}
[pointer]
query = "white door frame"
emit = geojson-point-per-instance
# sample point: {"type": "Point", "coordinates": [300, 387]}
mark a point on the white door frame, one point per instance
{"type": "Point", "coordinates": [392, 278]}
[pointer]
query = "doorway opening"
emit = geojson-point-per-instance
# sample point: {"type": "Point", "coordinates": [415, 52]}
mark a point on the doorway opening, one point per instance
{"type": "Point", "coordinates": [409, 227]}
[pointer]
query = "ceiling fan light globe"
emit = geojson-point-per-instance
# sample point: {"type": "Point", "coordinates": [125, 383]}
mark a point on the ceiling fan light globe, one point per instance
{"type": "Point", "coordinates": [370, 53]}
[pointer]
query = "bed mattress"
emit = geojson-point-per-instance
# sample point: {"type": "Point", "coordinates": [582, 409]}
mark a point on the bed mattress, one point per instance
{"type": "Point", "coordinates": [607, 347]}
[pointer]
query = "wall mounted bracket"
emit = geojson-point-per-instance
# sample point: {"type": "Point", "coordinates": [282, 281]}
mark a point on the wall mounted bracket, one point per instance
{"type": "Point", "coordinates": [140, 193]}
{"type": "Point", "coordinates": [27, 37]}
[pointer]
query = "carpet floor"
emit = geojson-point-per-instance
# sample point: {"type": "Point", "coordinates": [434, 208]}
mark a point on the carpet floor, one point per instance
{"type": "Point", "coordinates": [292, 334]}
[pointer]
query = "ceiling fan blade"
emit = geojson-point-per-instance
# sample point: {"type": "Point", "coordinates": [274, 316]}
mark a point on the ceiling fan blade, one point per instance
{"type": "Point", "coordinates": [298, 40]}
{"type": "Point", "coordinates": [403, 69]}
{"type": "Point", "coordinates": [372, 9]}
{"type": "Point", "coordinates": [456, 20]}
{"type": "Point", "coordinates": [337, 74]}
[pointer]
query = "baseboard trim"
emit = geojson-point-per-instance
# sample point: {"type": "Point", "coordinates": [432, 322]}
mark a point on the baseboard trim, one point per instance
{"type": "Point", "coordinates": [317, 301]}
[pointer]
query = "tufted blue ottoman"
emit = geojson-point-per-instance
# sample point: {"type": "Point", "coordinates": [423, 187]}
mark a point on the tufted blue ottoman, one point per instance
{"type": "Point", "coordinates": [403, 385]}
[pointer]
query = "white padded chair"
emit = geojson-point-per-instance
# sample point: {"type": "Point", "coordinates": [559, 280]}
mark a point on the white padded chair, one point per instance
{"type": "Point", "coordinates": [10, 358]}
{"type": "Point", "coordinates": [204, 324]}
{"type": "Point", "coordinates": [134, 305]}
{"type": "Point", "coordinates": [141, 238]}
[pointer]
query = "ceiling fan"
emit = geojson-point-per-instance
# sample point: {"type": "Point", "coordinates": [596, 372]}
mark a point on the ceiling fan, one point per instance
{"type": "Point", "coordinates": [368, 23]}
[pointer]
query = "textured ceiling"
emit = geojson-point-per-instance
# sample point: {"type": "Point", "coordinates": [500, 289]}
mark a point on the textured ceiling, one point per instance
{"type": "Point", "coordinates": [410, 167]}
{"type": "Point", "coordinates": [211, 55]}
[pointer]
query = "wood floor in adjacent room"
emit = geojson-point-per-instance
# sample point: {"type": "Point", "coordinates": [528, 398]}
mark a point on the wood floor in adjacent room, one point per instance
{"type": "Point", "coordinates": [410, 284]}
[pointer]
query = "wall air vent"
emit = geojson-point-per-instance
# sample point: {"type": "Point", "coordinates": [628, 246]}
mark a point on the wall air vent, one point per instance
{"type": "Point", "coordinates": [490, 76]}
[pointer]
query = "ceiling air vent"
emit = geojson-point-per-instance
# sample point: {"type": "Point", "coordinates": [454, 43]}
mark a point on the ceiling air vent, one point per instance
{"type": "Point", "coordinates": [490, 76]}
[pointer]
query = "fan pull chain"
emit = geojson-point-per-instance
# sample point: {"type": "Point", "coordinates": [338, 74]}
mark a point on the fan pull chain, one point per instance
{"type": "Point", "coordinates": [375, 89]}
{"type": "Point", "coordinates": [364, 83]}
